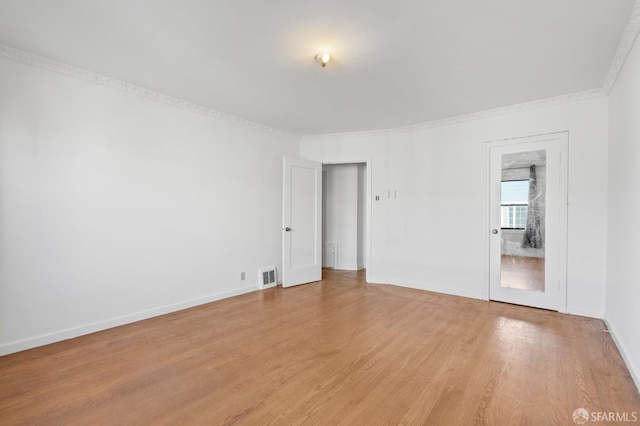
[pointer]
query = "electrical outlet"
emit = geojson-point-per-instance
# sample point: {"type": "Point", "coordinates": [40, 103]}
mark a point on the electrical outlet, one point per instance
{"type": "Point", "coordinates": [242, 276]}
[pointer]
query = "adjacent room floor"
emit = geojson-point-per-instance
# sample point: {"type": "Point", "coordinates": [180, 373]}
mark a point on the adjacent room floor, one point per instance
{"type": "Point", "coordinates": [334, 352]}
{"type": "Point", "coordinates": [525, 273]}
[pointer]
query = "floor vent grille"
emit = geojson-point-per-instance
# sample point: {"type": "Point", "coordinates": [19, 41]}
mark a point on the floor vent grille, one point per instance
{"type": "Point", "coordinates": [268, 277]}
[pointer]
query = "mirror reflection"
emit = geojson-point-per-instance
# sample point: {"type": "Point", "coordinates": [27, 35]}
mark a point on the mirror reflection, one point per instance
{"type": "Point", "coordinates": [522, 210]}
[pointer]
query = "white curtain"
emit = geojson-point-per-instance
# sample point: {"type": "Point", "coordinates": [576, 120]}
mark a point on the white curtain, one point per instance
{"type": "Point", "coordinates": [533, 235]}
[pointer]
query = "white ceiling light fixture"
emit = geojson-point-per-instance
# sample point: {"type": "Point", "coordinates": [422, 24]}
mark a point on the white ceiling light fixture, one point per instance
{"type": "Point", "coordinates": [323, 58]}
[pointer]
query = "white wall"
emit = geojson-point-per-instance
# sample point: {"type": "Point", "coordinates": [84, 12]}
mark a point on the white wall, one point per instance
{"type": "Point", "coordinates": [428, 229]}
{"type": "Point", "coordinates": [114, 207]}
{"type": "Point", "coordinates": [623, 272]}
{"type": "Point", "coordinates": [340, 213]}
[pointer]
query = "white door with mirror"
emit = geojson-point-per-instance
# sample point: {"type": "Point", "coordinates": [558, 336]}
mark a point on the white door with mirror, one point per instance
{"type": "Point", "coordinates": [527, 186]}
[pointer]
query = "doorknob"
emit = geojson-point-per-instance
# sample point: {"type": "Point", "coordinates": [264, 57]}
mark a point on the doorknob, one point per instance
{"type": "Point", "coordinates": [287, 229]}
{"type": "Point", "coordinates": [494, 231]}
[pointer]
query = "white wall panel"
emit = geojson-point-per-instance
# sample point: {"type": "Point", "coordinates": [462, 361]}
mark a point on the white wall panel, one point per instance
{"type": "Point", "coordinates": [114, 207]}
{"type": "Point", "coordinates": [623, 273]}
{"type": "Point", "coordinates": [428, 229]}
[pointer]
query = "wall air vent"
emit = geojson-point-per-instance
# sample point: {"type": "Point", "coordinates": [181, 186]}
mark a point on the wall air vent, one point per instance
{"type": "Point", "coordinates": [268, 277]}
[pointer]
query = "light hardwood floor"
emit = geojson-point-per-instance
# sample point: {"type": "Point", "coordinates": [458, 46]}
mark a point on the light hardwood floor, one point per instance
{"type": "Point", "coordinates": [334, 352]}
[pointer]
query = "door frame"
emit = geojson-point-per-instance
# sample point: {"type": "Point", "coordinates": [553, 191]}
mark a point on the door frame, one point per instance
{"type": "Point", "coordinates": [368, 192]}
{"type": "Point", "coordinates": [563, 140]}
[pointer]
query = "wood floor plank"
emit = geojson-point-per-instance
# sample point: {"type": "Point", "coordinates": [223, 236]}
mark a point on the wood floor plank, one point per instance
{"type": "Point", "coordinates": [334, 352]}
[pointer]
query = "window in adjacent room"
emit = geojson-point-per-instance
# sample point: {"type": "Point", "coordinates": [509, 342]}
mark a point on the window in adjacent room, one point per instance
{"type": "Point", "coordinates": [513, 205]}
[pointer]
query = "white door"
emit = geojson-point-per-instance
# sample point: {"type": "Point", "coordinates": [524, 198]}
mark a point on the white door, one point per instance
{"type": "Point", "coordinates": [527, 221]}
{"type": "Point", "coordinates": [301, 222]}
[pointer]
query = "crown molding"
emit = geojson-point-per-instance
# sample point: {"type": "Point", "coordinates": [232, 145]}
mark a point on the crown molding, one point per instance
{"type": "Point", "coordinates": [27, 58]}
{"type": "Point", "coordinates": [458, 119]}
{"type": "Point", "coordinates": [627, 41]}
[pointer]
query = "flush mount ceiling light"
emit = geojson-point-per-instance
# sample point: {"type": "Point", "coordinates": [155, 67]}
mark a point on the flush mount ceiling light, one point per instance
{"type": "Point", "coordinates": [323, 58]}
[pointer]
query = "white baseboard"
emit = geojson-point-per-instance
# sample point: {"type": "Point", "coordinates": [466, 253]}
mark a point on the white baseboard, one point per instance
{"type": "Point", "coordinates": [633, 369]}
{"type": "Point", "coordinates": [69, 333]}
{"type": "Point", "coordinates": [341, 268]}
{"type": "Point", "coordinates": [427, 287]}
{"type": "Point", "coordinates": [585, 312]}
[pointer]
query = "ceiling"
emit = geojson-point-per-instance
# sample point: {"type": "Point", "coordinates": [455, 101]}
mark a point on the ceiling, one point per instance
{"type": "Point", "coordinates": [394, 63]}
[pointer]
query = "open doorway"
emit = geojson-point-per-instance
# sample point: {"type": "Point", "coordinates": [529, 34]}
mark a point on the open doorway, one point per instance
{"type": "Point", "coordinates": [344, 216]}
